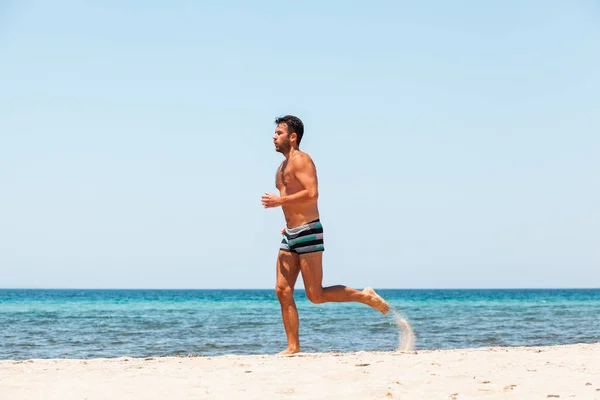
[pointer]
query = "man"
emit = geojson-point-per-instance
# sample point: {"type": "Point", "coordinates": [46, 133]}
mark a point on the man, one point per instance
{"type": "Point", "coordinates": [302, 246]}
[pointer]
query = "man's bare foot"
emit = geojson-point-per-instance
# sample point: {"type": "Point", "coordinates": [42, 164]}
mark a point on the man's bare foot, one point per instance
{"type": "Point", "coordinates": [289, 352]}
{"type": "Point", "coordinates": [378, 302]}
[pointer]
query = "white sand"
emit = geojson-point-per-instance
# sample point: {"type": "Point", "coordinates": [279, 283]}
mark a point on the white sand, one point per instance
{"type": "Point", "coordinates": [571, 371]}
{"type": "Point", "coordinates": [406, 335]}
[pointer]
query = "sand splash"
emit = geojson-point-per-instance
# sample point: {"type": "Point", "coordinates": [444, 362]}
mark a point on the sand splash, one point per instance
{"type": "Point", "coordinates": [406, 336]}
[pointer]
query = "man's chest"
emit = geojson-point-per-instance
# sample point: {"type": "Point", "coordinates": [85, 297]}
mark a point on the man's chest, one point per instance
{"type": "Point", "coordinates": [285, 175]}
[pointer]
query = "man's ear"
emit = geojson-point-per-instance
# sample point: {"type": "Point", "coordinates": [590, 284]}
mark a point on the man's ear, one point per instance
{"type": "Point", "coordinates": [294, 136]}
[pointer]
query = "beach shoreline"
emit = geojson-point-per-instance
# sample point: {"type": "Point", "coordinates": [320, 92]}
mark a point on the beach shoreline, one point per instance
{"type": "Point", "coordinates": [567, 371]}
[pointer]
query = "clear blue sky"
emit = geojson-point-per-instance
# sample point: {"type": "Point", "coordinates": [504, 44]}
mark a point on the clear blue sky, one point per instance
{"type": "Point", "coordinates": [457, 143]}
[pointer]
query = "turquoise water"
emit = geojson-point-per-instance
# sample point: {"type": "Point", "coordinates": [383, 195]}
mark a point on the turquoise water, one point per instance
{"type": "Point", "coordinates": [144, 323]}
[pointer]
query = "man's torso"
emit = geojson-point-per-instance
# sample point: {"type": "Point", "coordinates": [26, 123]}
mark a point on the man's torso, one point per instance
{"type": "Point", "coordinates": [288, 184]}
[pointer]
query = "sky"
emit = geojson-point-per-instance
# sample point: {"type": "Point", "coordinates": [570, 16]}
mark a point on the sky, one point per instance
{"type": "Point", "coordinates": [457, 144]}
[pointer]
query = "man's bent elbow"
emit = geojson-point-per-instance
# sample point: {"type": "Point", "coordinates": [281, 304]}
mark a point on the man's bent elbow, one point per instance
{"type": "Point", "coordinates": [313, 195]}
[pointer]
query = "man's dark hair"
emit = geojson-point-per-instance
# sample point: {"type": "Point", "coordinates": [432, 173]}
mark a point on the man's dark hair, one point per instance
{"type": "Point", "coordinates": [294, 125]}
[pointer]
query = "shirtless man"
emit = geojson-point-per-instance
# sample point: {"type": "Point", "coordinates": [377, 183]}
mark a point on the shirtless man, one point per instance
{"type": "Point", "coordinates": [301, 249]}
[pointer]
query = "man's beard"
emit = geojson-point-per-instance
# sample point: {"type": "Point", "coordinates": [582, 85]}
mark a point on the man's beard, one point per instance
{"type": "Point", "coordinates": [283, 147]}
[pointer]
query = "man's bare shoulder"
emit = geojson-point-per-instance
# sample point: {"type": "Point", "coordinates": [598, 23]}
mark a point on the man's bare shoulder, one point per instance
{"type": "Point", "coordinates": [302, 160]}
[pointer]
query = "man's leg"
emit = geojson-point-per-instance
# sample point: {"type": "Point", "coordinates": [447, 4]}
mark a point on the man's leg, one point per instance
{"type": "Point", "coordinates": [311, 265]}
{"type": "Point", "coordinates": [288, 268]}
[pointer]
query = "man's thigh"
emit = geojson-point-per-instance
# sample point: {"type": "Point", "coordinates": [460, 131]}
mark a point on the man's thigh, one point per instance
{"type": "Point", "coordinates": [311, 265]}
{"type": "Point", "coordinates": [288, 268]}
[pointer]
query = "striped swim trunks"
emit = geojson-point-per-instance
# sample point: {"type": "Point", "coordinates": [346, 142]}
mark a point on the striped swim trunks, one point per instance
{"type": "Point", "coordinates": [303, 239]}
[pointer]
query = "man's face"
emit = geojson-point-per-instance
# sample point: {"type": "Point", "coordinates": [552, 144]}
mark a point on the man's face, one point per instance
{"type": "Point", "coordinates": [281, 138]}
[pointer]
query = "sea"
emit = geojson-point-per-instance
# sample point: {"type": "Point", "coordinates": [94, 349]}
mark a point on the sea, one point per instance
{"type": "Point", "coordinates": [84, 324]}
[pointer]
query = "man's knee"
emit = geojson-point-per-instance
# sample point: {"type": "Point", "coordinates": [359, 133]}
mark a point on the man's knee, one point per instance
{"type": "Point", "coordinates": [284, 293]}
{"type": "Point", "coordinates": [315, 296]}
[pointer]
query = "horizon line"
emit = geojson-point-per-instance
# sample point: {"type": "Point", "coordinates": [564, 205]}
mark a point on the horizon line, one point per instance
{"type": "Point", "coordinates": [302, 288]}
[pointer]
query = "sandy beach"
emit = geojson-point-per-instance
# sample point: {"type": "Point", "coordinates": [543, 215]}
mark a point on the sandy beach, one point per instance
{"type": "Point", "coordinates": [569, 371]}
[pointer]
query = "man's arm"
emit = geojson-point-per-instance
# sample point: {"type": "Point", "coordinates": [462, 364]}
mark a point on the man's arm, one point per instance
{"type": "Point", "coordinates": [306, 173]}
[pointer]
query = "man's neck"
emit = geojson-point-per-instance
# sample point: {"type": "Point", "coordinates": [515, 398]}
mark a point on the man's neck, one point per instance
{"type": "Point", "coordinates": [290, 153]}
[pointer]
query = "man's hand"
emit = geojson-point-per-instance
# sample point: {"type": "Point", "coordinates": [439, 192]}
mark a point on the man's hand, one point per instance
{"type": "Point", "coordinates": [270, 200]}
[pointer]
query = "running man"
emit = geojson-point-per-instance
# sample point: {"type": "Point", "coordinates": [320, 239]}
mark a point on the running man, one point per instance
{"type": "Point", "coordinates": [302, 247]}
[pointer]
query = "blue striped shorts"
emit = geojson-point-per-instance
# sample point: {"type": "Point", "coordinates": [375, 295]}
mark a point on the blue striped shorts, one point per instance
{"type": "Point", "coordinates": [307, 238]}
